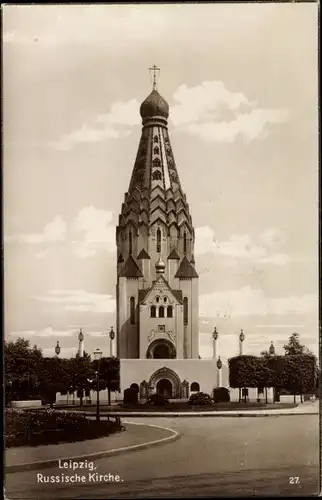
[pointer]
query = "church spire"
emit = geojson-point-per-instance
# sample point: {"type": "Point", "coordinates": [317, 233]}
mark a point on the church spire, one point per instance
{"type": "Point", "coordinates": [155, 202]}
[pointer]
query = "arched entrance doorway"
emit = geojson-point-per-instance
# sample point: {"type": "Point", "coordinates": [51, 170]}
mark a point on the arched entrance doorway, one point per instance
{"type": "Point", "coordinates": [164, 381]}
{"type": "Point", "coordinates": [161, 349]}
{"type": "Point", "coordinates": [164, 388]}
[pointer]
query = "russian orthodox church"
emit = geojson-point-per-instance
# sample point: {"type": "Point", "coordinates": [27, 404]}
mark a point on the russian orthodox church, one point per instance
{"type": "Point", "coordinates": [157, 281]}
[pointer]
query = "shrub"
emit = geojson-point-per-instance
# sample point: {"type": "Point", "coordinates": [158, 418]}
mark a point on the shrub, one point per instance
{"type": "Point", "coordinates": [135, 387]}
{"type": "Point", "coordinates": [42, 427]}
{"type": "Point", "coordinates": [130, 397]}
{"type": "Point", "coordinates": [157, 400]}
{"type": "Point", "coordinates": [200, 398]}
{"type": "Point", "coordinates": [221, 395]}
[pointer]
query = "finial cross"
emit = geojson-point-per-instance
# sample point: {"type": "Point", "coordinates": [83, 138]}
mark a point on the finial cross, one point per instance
{"type": "Point", "coordinates": [154, 70]}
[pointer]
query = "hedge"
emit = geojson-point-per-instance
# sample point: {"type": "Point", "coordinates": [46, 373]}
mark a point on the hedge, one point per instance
{"type": "Point", "coordinates": [42, 427]}
{"type": "Point", "coordinates": [295, 373]}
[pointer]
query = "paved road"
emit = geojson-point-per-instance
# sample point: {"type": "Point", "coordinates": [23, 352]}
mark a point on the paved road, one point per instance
{"type": "Point", "coordinates": [219, 456]}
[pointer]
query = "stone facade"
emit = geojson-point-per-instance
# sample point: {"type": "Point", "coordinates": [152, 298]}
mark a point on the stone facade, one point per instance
{"type": "Point", "coordinates": [157, 284]}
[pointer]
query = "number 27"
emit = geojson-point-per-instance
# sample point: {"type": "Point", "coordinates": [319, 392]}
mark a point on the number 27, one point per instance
{"type": "Point", "coordinates": [294, 480]}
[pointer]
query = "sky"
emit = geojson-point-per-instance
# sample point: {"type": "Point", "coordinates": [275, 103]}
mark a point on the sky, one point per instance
{"type": "Point", "coordinates": [241, 82]}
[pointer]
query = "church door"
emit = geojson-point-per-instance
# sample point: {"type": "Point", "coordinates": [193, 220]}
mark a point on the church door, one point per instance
{"type": "Point", "coordinates": [164, 388]}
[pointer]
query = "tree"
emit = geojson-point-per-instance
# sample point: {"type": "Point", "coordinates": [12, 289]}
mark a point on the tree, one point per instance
{"type": "Point", "coordinates": [109, 372]}
{"type": "Point", "coordinates": [81, 371]}
{"type": "Point", "coordinates": [20, 369]}
{"type": "Point", "coordinates": [294, 346]}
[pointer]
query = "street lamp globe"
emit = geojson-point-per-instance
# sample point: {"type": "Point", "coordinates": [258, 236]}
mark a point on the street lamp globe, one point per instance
{"type": "Point", "coordinates": [98, 354]}
{"type": "Point", "coordinates": [215, 334]}
{"type": "Point", "coordinates": [241, 336]}
{"type": "Point", "coordinates": [57, 348]}
{"type": "Point", "coordinates": [219, 364]}
{"type": "Point", "coordinates": [272, 349]}
{"type": "Point", "coordinates": [80, 336]}
{"type": "Point", "coordinates": [112, 334]}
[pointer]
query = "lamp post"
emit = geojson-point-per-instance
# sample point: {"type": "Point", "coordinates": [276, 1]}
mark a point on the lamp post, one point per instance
{"type": "Point", "coordinates": [57, 349]}
{"type": "Point", "coordinates": [241, 340]}
{"type": "Point", "coordinates": [97, 356]}
{"type": "Point", "coordinates": [214, 342]}
{"type": "Point", "coordinates": [219, 374]}
{"type": "Point", "coordinates": [112, 337]}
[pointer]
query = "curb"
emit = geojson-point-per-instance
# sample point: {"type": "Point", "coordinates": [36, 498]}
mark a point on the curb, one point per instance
{"type": "Point", "coordinates": [9, 469]}
{"type": "Point", "coordinates": [208, 414]}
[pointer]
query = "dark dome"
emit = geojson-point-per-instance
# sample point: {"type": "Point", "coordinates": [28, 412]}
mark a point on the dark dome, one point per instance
{"type": "Point", "coordinates": [154, 105]}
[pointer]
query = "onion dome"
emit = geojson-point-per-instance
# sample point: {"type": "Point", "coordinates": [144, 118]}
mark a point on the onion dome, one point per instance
{"type": "Point", "coordinates": [160, 266]}
{"type": "Point", "coordinates": [154, 105]}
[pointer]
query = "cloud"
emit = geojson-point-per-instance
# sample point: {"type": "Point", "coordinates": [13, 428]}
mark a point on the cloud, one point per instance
{"type": "Point", "coordinates": [248, 301]}
{"type": "Point", "coordinates": [243, 246]}
{"type": "Point", "coordinates": [201, 110]}
{"type": "Point", "coordinates": [280, 326]}
{"type": "Point", "coordinates": [80, 301]}
{"type": "Point", "coordinates": [213, 113]}
{"type": "Point", "coordinates": [95, 231]}
{"type": "Point", "coordinates": [117, 123]}
{"type": "Point", "coordinates": [54, 231]}
{"type": "Point", "coordinates": [48, 331]}
{"type": "Point", "coordinates": [90, 232]}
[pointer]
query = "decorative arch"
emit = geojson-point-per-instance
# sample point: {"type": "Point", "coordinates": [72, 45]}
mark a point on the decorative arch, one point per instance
{"type": "Point", "coordinates": [156, 176]}
{"type": "Point", "coordinates": [160, 345]}
{"type": "Point", "coordinates": [156, 150]}
{"type": "Point", "coordinates": [168, 374]}
{"type": "Point", "coordinates": [195, 387]}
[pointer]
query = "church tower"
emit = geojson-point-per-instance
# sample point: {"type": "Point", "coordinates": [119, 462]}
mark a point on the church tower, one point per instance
{"type": "Point", "coordinates": [157, 284]}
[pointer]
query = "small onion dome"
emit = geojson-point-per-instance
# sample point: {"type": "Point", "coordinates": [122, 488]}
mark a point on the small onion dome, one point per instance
{"type": "Point", "coordinates": [81, 336]}
{"type": "Point", "coordinates": [160, 266]}
{"type": "Point", "coordinates": [154, 105]}
{"type": "Point", "coordinates": [272, 348]}
{"type": "Point", "coordinates": [241, 336]}
{"type": "Point", "coordinates": [215, 334]}
{"type": "Point", "coordinates": [112, 334]}
{"type": "Point", "coordinates": [57, 348]}
{"type": "Point", "coordinates": [219, 364]}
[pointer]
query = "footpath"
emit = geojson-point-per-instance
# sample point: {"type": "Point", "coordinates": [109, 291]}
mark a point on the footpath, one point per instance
{"type": "Point", "coordinates": [135, 437]}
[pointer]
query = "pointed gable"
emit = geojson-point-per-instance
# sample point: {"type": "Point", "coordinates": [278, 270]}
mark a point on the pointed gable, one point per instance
{"type": "Point", "coordinates": [160, 284]}
{"type": "Point", "coordinates": [174, 255]}
{"type": "Point", "coordinates": [186, 270]}
{"type": "Point", "coordinates": [143, 255]}
{"type": "Point", "coordinates": [131, 269]}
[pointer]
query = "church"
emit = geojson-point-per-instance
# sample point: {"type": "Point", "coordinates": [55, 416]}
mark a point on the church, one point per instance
{"type": "Point", "coordinates": [157, 292]}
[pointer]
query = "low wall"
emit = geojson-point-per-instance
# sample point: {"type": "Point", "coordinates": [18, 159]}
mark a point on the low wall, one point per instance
{"type": "Point", "coordinates": [26, 404]}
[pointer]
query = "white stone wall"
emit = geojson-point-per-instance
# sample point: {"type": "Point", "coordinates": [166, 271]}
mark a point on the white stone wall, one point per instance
{"type": "Point", "coordinates": [192, 370]}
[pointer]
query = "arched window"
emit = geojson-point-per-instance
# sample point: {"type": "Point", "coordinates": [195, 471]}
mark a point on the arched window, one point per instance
{"type": "Point", "coordinates": [185, 311]}
{"type": "Point", "coordinates": [165, 299]}
{"type": "Point", "coordinates": [130, 242]}
{"type": "Point", "coordinates": [169, 312]}
{"type": "Point", "coordinates": [156, 176]}
{"type": "Point", "coordinates": [153, 311]}
{"type": "Point", "coordinates": [156, 139]}
{"type": "Point", "coordinates": [161, 312]}
{"type": "Point", "coordinates": [156, 150]}
{"type": "Point", "coordinates": [195, 387]}
{"type": "Point", "coordinates": [156, 162]}
{"type": "Point", "coordinates": [157, 299]}
{"type": "Point", "coordinates": [185, 242]}
{"type": "Point", "coordinates": [158, 241]}
{"type": "Point", "coordinates": [132, 311]}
